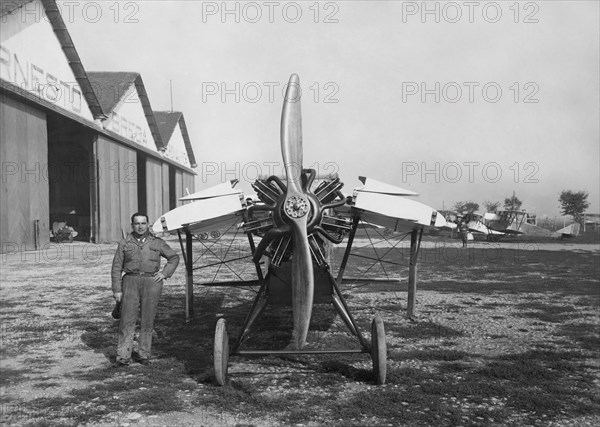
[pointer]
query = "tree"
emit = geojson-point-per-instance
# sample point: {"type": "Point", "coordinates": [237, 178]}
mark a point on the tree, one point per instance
{"type": "Point", "coordinates": [491, 206]}
{"type": "Point", "coordinates": [512, 203]}
{"type": "Point", "coordinates": [548, 223]}
{"type": "Point", "coordinates": [574, 204]}
{"type": "Point", "coordinates": [466, 206]}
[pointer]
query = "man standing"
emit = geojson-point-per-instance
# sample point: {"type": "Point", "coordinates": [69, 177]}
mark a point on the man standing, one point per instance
{"type": "Point", "coordinates": [138, 256]}
{"type": "Point", "coordinates": [463, 228]}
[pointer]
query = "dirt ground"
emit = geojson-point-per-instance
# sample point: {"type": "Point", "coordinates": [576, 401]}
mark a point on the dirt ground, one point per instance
{"type": "Point", "coordinates": [504, 334]}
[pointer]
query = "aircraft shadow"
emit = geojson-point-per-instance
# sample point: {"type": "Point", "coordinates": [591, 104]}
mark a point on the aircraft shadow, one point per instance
{"type": "Point", "coordinates": [192, 343]}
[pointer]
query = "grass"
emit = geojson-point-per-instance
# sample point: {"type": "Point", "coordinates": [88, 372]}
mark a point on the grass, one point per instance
{"type": "Point", "coordinates": [429, 354]}
{"type": "Point", "coordinates": [150, 391]}
{"type": "Point", "coordinates": [44, 385]}
{"type": "Point", "coordinates": [584, 335]}
{"type": "Point", "coordinates": [423, 330]}
{"type": "Point", "coordinates": [548, 312]}
{"type": "Point", "coordinates": [533, 383]}
{"type": "Point", "coordinates": [434, 376]}
{"type": "Point", "coordinates": [11, 376]}
{"type": "Point", "coordinates": [38, 361]}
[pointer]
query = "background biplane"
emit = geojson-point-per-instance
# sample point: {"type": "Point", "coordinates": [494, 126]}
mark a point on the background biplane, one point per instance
{"type": "Point", "coordinates": [289, 228]}
{"type": "Point", "coordinates": [495, 225]}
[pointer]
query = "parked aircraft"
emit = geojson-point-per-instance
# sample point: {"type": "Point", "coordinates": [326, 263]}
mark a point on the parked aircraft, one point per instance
{"type": "Point", "coordinates": [294, 218]}
{"type": "Point", "coordinates": [495, 225]}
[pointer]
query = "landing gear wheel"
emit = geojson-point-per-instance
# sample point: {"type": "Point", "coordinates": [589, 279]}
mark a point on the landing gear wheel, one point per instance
{"type": "Point", "coordinates": [221, 352]}
{"type": "Point", "coordinates": [378, 350]}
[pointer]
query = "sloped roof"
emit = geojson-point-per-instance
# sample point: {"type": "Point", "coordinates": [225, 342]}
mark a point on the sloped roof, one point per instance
{"type": "Point", "coordinates": [35, 100]}
{"type": "Point", "coordinates": [188, 143]}
{"type": "Point", "coordinates": [110, 86]}
{"type": "Point", "coordinates": [58, 25]}
{"type": "Point", "coordinates": [167, 121]}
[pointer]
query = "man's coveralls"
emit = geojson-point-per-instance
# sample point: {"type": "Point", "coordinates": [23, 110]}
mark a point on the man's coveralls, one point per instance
{"type": "Point", "coordinates": [139, 259]}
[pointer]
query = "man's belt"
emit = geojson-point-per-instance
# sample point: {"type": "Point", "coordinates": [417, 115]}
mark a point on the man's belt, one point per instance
{"type": "Point", "coordinates": [140, 274]}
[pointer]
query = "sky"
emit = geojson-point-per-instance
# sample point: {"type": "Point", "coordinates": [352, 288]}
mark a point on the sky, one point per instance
{"type": "Point", "coordinates": [458, 101]}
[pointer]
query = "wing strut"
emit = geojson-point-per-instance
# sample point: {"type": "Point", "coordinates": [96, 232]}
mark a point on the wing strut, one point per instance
{"type": "Point", "coordinates": [415, 245]}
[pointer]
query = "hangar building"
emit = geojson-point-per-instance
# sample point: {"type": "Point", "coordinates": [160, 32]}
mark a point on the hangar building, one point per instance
{"type": "Point", "coordinates": [78, 146]}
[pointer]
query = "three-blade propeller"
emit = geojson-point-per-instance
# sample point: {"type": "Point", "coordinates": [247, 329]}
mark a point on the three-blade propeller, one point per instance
{"type": "Point", "coordinates": [297, 209]}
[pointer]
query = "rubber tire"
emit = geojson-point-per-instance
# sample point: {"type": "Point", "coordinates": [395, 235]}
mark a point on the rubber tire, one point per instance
{"type": "Point", "coordinates": [378, 350]}
{"type": "Point", "coordinates": [221, 352]}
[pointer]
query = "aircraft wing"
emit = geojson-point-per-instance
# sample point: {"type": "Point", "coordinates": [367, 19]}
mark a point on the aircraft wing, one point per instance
{"type": "Point", "coordinates": [570, 230]}
{"type": "Point", "coordinates": [501, 227]}
{"type": "Point", "coordinates": [479, 227]}
{"type": "Point", "coordinates": [509, 231]}
{"type": "Point", "coordinates": [218, 223]}
{"type": "Point", "coordinates": [220, 190]}
{"type": "Point", "coordinates": [371, 185]}
{"type": "Point", "coordinates": [394, 212]}
{"type": "Point", "coordinates": [204, 214]}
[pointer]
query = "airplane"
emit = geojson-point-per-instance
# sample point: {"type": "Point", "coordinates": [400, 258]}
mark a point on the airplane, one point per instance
{"type": "Point", "coordinates": [494, 225]}
{"type": "Point", "coordinates": [569, 231]}
{"type": "Point", "coordinates": [295, 218]}
{"type": "Point", "coordinates": [507, 221]}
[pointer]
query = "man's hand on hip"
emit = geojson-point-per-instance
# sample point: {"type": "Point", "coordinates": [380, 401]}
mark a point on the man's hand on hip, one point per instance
{"type": "Point", "coordinates": [158, 276]}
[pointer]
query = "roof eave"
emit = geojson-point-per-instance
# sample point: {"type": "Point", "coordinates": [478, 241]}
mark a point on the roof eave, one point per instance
{"type": "Point", "coordinates": [139, 84]}
{"type": "Point", "coordinates": [187, 142]}
{"type": "Point", "coordinates": [66, 43]}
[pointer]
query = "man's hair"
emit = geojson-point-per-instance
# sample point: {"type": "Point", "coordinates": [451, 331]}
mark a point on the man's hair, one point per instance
{"type": "Point", "coordinates": [139, 214]}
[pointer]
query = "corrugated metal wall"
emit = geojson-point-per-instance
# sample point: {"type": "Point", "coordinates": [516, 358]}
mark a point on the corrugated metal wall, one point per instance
{"type": "Point", "coordinates": [24, 186]}
{"type": "Point", "coordinates": [189, 183]}
{"type": "Point", "coordinates": [117, 189]}
{"type": "Point", "coordinates": [165, 188]}
{"type": "Point", "coordinates": [154, 189]}
{"type": "Point", "coordinates": [24, 183]}
{"type": "Point", "coordinates": [157, 187]}
{"type": "Point", "coordinates": [179, 189]}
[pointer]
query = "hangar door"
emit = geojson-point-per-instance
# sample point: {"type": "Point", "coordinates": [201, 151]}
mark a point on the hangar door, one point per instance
{"type": "Point", "coordinates": [117, 190]}
{"type": "Point", "coordinates": [154, 189]}
{"type": "Point", "coordinates": [70, 175]}
{"type": "Point", "coordinates": [24, 185]}
{"type": "Point", "coordinates": [188, 183]}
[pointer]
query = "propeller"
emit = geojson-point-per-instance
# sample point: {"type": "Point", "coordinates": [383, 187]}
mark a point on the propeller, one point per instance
{"type": "Point", "coordinates": [296, 212]}
{"type": "Point", "coordinates": [297, 209]}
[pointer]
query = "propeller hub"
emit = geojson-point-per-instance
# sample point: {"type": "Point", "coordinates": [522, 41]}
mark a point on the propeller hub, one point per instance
{"type": "Point", "coordinates": [296, 207]}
